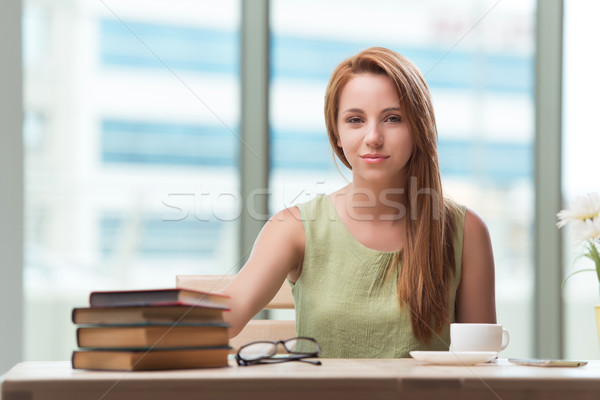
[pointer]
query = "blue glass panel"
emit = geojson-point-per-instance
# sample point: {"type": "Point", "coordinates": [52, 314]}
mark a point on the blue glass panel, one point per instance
{"type": "Point", "coordinates": [147, 45]}
{"type": "Point", "coordinates": [146, 142]}
{"type": "Point", "coordinates": [186, 238]}
{"type": "Point", "coordinates": [299, 150]}
{"type": "Point", "coordinates": [302, 58]}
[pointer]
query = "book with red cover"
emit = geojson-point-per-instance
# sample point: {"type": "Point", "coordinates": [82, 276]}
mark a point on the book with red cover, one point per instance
{"type": "Point", "coordinates": [153, 297]}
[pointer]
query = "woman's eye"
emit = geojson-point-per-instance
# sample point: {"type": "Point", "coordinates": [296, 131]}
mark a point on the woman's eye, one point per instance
{"type": "Point", "coordinates": [393, 118]}
{"type": "Point", "coordinates": [354, 120]}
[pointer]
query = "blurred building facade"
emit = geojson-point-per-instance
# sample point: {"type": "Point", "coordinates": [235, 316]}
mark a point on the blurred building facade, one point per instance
{"type": "Point", "coordinates": [131, 136]}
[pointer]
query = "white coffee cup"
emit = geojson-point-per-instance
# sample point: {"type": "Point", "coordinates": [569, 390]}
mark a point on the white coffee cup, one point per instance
{"type": "Point", "coordinates": [478, 337]}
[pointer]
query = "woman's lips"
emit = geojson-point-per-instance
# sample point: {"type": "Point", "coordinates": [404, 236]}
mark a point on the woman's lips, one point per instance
{"type": "Point", "coordinates": [374, 158]}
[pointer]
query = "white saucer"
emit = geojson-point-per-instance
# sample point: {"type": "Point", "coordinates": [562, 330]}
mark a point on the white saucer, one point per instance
{"type": "Point", "coordinates": [454, 358]}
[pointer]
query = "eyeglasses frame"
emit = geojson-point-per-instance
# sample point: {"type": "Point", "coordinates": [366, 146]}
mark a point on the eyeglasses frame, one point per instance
{"type": "Point", "coordinates": [293, 356]}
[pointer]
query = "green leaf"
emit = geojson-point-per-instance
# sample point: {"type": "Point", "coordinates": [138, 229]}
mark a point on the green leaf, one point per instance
{"type": "Point", "coordinates": [576, 272]}
{"type": "Point", "coordinates": [594, 255]}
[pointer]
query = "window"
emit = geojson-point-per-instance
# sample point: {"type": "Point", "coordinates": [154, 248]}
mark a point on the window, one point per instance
{"type": "Point", "coordinates": [477, 57]}
{"type": "Point", "coordinates": [130, 136]}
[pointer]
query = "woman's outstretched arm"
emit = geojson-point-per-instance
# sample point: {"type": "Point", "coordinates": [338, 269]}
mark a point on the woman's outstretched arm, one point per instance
{"type": "Point", "coordinates": [277, 253]}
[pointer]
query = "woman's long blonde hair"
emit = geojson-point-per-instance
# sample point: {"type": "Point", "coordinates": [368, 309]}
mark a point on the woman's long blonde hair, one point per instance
{"type": "Point", "coordinates": [426, 277]}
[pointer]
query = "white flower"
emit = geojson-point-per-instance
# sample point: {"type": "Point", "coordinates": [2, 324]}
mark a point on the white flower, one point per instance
{"type": "Point", "coordinates": [584, 209]}
{"type": "Point", "coordinates": [586, 229]}
{"type": "Point", "coordinates": [584, 218]}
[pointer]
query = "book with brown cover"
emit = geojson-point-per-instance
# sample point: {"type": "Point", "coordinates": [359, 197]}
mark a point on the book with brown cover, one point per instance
{"type": "Point", "coordinates": [141, 314]}
{"type": "Point", "coordinates": [171, 296]}
{"type": "Point", "coordinates": [153, 336]}
{"type": "Point", "coordinates": [157, 359]}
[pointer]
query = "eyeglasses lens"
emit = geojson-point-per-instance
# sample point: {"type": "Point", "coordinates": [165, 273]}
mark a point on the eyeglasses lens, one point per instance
{"type": "Point", "coordinates": [301, 346]}
{"type": "Point", "coordinates": [258, 350]}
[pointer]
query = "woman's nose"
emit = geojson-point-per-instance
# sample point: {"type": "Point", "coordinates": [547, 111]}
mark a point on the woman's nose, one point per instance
{"type": "Point", "coordinates": [373, 136]}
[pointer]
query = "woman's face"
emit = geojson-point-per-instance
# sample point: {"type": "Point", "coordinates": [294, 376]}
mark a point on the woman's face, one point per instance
{"type": "Point", "coordinates": [373, 134]}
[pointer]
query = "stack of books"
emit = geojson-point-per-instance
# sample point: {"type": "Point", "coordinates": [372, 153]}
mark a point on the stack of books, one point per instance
{"type": "Point", "coordinates": [151, 329]}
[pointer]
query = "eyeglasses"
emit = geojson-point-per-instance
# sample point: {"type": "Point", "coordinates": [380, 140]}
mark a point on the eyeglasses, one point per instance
{"type": "Point", "coordinates": [264, 352]}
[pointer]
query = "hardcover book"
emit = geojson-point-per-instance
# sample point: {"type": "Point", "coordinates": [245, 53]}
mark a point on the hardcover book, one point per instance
{"type": "Point", "coordinates": [153, 336]}
{"type": "Point", "coordinates": [173, 296]}
{"type": "Point", "coordinates": [157, 359]}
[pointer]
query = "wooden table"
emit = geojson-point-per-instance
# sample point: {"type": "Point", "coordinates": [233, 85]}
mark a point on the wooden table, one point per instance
{"type": "Point", "coordinates": [335, 379]}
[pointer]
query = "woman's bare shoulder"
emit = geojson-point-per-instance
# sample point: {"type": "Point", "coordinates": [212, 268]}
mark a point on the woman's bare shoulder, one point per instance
{"type": "Point", "coordinates": [474, 224]}
{"type": "Point", "coordinates": [286, 228]}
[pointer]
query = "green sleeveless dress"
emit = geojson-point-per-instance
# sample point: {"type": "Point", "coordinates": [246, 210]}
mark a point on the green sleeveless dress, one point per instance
{"type": "Point", "coordinates": [342, 297]}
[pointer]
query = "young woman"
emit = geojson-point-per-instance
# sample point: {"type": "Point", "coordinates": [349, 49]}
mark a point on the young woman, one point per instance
{"type": "Point", "coordinates": [384, 265]}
